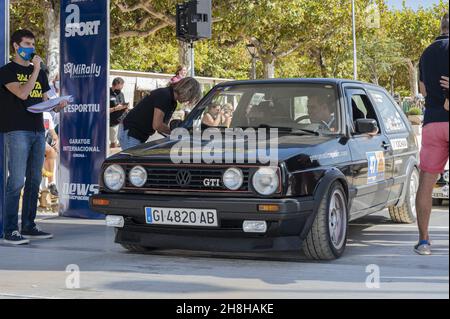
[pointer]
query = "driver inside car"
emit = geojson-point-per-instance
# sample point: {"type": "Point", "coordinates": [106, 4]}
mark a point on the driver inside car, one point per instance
{"type": "Point", "coordinates": [321, 114]}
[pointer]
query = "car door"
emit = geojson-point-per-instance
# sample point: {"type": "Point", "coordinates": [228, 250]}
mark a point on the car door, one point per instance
{"type": "Point", "coordinates": [402, 140]}
{"type": "Point", "coordinates": [371, 155]}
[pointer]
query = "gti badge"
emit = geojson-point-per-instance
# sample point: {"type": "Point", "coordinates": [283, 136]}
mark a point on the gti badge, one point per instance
{"type": "Point", "coordinates": [211, 182]}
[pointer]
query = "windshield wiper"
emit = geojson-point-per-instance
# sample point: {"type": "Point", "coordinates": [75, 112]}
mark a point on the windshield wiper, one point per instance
{"type": "Point", "coordinates": [289, 130]}
{"type": "Point", "coordinates": [310, 132]}
{"type": "Point", "coordinates": [292, 130]}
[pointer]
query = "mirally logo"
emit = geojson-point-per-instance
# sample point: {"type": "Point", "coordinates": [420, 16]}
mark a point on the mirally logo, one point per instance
{"type": "Point", "coordinates": [82, 70]}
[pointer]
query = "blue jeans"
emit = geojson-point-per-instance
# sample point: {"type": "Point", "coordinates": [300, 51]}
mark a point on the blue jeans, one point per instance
{"type": "Point", "coordinates": [25, 153]}
{"type": "Point", "coordinates": [126, 141]}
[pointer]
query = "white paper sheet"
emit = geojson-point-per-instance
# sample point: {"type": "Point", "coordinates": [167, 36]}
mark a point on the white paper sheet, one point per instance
{"type": "Point", "coordinates": [49, 105]}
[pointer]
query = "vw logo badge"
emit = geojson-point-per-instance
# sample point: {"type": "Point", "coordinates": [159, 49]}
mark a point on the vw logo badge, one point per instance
{"type": "Point", "coordinates": [183, 178]}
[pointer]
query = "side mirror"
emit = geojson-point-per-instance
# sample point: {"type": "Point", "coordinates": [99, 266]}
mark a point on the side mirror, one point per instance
{"type": "Point", "coordinates": [175, 124]}
{"type": "Point", "coordinates": [366, 126]}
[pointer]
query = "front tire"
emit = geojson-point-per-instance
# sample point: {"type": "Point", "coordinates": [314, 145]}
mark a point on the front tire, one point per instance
{"type": "Point", "coordinates": [437, 201]}
{"type": "Point", "coordinates": [132, 247]}
{"type": "Point", "coordinates": [327, 238]}
{"type": "Point", "coordinates": [406, 214]}
{"type": "Point", "coordinates": [136, 248]}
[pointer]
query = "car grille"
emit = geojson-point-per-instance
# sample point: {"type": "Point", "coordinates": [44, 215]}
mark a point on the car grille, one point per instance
{"type": "Point", "coordinates": [186, 179]}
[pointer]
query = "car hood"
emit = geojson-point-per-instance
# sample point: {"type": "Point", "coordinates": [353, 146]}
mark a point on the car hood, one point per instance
{"type": "Point", "coordinates": [289, 146]}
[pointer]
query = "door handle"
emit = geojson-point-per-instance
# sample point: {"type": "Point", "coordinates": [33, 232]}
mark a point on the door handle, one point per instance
{"type": "Point", "coordinates": [386, 145]}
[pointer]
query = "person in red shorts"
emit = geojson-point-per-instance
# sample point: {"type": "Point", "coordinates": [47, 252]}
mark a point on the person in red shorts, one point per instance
{"type": "Point", "coordinates": [434, 72]}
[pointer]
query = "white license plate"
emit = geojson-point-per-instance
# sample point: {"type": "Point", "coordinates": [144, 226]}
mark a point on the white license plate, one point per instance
{"type": "Point", "coordinates": [441, 192]}
{"type": "Point", "coordinates": [181, 216]}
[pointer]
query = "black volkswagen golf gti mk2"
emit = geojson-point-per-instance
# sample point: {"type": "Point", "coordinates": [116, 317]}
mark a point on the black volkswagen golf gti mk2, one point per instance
{"type": "Point", "coordinates": [345, 150]}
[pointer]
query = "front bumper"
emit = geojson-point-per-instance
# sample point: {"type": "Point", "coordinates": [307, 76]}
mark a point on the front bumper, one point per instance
{"type": "Point", "coordinates": [441, 191]}
{"type": "Point", "coordinates": [283, 232]}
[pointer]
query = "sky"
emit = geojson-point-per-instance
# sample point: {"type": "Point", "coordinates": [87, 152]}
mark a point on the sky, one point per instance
{"type": "Point", "coordinates": [397, 4]}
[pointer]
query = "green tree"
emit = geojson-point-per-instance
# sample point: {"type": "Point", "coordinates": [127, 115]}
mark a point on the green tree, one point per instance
{"type": "Point", "coordinates": [141, 18]}
{"type": "Point", "coordinates": [42, 17]}
{"type": "Point", "coordinates": [295, 38]}
{"type": "Point", "coordinates": [274, 27]}
{"type": "Point", "coordinates": [328, 25]}
{"type": "Point", "coordinates": [29, 15]}
{"type": "Point", "coordinates": [379, 53]}
{"type": "Point", "coordinates": [144, 18]}
{"type": "Point", "coordinates": [415, 30]}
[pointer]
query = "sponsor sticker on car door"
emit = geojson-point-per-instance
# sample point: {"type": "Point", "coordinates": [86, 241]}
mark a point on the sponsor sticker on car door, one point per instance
{"type": "Point", "coordinates": [376, 167]}
{"type": "Point", "coordinates": [399, 144]}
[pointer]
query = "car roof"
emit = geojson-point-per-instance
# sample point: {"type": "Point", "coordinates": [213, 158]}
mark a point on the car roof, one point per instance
{"type": "Point", "coordinates": [297, 80]}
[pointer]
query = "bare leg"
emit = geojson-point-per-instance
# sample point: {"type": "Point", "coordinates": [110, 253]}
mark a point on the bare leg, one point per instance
{"type": "Point", "coordinates": [424, 202]}
{"type": "Point", "coordinates": [49, 164]}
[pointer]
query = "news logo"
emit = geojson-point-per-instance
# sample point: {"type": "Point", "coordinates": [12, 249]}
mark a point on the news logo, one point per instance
{"type": "Point", "coordinates": [81, 192]}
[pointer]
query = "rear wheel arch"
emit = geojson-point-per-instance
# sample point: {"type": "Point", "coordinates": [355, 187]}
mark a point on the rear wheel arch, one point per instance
{"type": "Point", "coordinates": [411, 166]}
{"type": "Point", "coordinates": [406, 213]}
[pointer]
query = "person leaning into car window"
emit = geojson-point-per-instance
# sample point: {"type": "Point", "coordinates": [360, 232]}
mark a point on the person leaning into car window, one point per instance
{"type": "Point", "coordinates": [154, 112]}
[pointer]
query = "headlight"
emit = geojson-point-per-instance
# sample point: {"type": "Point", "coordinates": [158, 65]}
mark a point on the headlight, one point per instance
{"type": "Point", "coordinates": [114, 177]}
{"type": "Point", "coordinates": [446, 176]}
{"type": "Point", "coordinates": [233, 179]}
{"type": "Point", "coordinates": [266, 181]}
{"type": "Point", "coordinates": [138, 176]}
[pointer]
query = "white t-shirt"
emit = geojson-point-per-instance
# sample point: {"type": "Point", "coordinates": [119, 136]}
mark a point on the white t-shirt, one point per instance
{"type": "Point", "coordinates": [52, 93]}
{"type": "Point", "coordinates": [48, 122]}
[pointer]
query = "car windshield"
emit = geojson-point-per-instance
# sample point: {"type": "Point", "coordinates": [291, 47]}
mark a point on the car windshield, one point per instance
{"type": "Point", "coordinates": [294, 106]}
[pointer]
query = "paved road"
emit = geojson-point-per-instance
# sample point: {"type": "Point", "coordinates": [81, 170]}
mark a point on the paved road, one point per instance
{"type": "Point", "coordinates": [108, 271]}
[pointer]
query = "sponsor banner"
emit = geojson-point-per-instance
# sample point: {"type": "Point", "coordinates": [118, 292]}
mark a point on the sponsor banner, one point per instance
{"type": "Point", "coordinates": [84, 123]}
{"type": "Point", "coordinates": [4, 53]}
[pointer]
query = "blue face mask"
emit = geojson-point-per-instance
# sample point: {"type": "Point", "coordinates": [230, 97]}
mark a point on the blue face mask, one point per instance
{"type": "Point", "coordinates": [26, 53]}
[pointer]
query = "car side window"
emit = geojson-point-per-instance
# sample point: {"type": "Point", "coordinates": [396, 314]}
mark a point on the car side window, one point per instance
{"type": "Point", "coordinates": [361, 107]}
{"type": "Point", "coordinates": [389, 112]}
